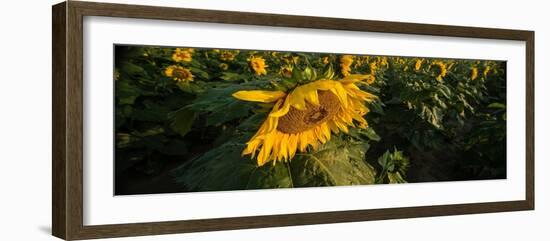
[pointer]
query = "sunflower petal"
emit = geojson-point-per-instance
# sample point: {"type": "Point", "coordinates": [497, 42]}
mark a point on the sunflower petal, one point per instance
{"type": "Point", "coordinates": [265, 152]}
{"type": "Point", "coordinates": [340, 92]}
{"type": "Point", "coordinates": [263, 96]}
{"type": "Point", "coordinates": [283, 150]}
{"type": "Point", "coordinates": [280, 111]}
{"type": "Point", "coordinates": [352, 78]}
{"type": "Point", "coordinates": [292, 145]}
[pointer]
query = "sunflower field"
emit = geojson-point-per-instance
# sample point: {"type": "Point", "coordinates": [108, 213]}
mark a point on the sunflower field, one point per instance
{"type": "Point", "coordinates": [202, 119]}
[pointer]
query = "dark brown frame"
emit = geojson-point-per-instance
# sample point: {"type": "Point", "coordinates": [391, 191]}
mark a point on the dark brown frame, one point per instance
{"type": "Point", "coordinates": [67, 169]}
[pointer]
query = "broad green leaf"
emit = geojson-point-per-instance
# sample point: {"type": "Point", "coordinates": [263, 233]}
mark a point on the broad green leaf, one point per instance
{"type": "Point", "coordinates": [126, 93]}
{"type": "Point", "coordinates": [132, 69]}
{"type": "Point", "coordinates": [370, 133]}
{"type": "Point", "coordinates": [220, 106]}
{"type": "Point", "coordinates": [232, 110]}
{"type": "Point", "coordinates": [219, 169]}
{"type": "Point", "coordinates": [201, 73]}
{"type": "Point", "coordinates": [270, 176]}
{"type": "Point", "coordinates": [228, 76]}
{"type": "Point", "coordinates": [335, 163]}
{"type": "Point", "coordinates": [223, 168]}
{"type": "Point", "coordinates": [183, 120]}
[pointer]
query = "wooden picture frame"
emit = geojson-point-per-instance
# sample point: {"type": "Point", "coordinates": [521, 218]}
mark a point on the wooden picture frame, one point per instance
{"type": "Point", "coordinates": [67, 75]}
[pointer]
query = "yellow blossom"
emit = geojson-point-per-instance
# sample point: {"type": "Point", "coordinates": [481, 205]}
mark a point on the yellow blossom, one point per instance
{"type": "Point", "coordinates": [372, 68]}
{"type": "Point", "coordinates": [224, 66]}
{"type": "Point", "coordinates": [179, 73]}
{"type": "Point", "coordinates": [345, 64]}
{"type": "Point", "coordinates": [441, 70]}
{"type": "Point", "coordinates": [384, 62]}
{"type": "Point", "coordinates": [369, 79]}
{"type": "Point", "coordinates": [474, 73]}
{"type": "Point", "coordinates": [227, 55]}
{"type": "Point", "coordinates": [182, 55]}
{"type": "Point", "coordinates": [291, 59]}
{"type": "Point", "coordinates": [258, 65]}
{"type": "Point", "coordinates": [486, 71]}
{"type": "Point", "coordinates": [418, 64]}
{"type": "Point", "coordinates": [305, 117]}
{"type": "Point", "coordinates": [286, 71]}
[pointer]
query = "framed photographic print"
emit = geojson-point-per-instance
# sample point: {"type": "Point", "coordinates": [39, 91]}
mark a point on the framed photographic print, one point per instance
{"type": "Point", "coordinates": [171, 120]}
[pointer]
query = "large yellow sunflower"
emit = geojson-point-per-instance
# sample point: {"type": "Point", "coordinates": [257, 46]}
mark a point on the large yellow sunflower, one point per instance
{"type": "Point", "coordinates": [305, 116]}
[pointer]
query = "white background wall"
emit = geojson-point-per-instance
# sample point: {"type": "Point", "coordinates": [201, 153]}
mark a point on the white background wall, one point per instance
{"type": "Point", "coordinates": [25, 120]}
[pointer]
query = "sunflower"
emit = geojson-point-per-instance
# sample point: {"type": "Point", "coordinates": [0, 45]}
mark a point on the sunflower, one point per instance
{"type": "Point", "coordinates": [345, 64]}
{"type": "Point", "coordinates": [373, 67]}
{"type": "Point", "coordinates": [286, 71]}
{"type": "Point", "coordinates": [442, 70]}
{"type": "Point", "coordinates": [369, 79]}
{"type": "Point", "coordinates": [223, 66]}
{"type": "Point", "coordinates": [227, 55]}
{"type": "Point", "coordinates": [183, 55]}
{"type": "Point", "coordinates": [306, 116]}
{"type": "Point", "coordinates": [258, 65]}
{"type": "Point", "coordinates": [178, 73]}
{"type": "Point", "coordinates": [418, 64]}
{"type": "Point", "coordinates": [289, 59]}
{"type": "Point", "coordinates": [474, 73]}
{"type": "Point", "coordinates": [384, 62]}
{"type": "Point", "coordinates": [486, 71]}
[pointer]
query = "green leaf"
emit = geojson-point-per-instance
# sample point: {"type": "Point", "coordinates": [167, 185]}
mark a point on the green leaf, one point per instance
{"type": "Point", "coordinates": [183, 120]}
{"type": "Point", "coordinates": [132, 69]}
{"type": "Point", "coordinates": [228, 76]}
{"type": "Point", "coordinates": [370, 133]}
{"type": "Point", "coordinates": [270, 176]}
{"type": "Point", "coordinates": [297, 75]}
{"type": "Point", "coordinates": [175, 148]}
{"type": "Point", "coordinates": [309, 73]}
{"type": "Point", "coordinates": [219, 169]}
{"type": "Point", "coordinates": [126, 93]}
{"type": "Point", "coordinates": [232, 110]}
{"type": "Point", "coordinates": [220, 106]}
{"type": "Point", "coordinates": [497, 106]}
{"type": "Point", "coordinates": [329, 72]}
{"type": "Point", "coordinates": [394, 167]}
{"type": "Point", "coordinates": [335, 163]}
{"type": "Point", "coordinates": [199, 72]}
{"type": "Point", "coordinates": [395, 177]}
{"type": "Point", "coordinates": [223, 168]}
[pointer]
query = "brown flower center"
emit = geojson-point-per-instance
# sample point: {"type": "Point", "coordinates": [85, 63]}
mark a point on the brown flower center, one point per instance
{"type": "Point", "coordinates": [181, 74]}
{"type": "Point", "coordinates": [296, 121]}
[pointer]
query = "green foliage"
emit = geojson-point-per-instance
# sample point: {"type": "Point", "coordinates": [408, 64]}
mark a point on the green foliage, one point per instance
{"type": "Point", "coordinates": [183, 120]}
{"type": "Point", "coordinates": [394, 167]}
{"type": "Point", "coordinates": [337, 162]}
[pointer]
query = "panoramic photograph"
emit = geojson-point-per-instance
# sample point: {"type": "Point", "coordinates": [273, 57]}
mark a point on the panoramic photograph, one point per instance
{"type": "Point", "coordinates": [192, 119]}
